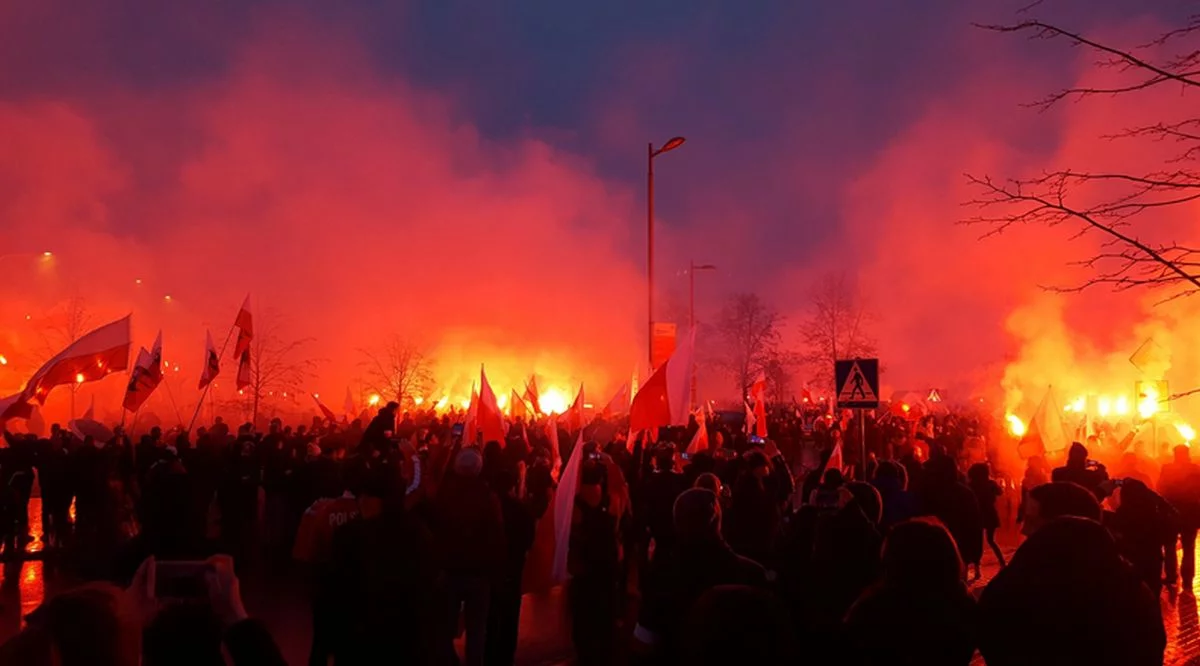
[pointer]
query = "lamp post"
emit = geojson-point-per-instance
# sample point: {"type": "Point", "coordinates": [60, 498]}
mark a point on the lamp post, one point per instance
{"type": "Point", "coordinates": [692, 268]}
{"type": "Point", "coordinates": [651, 153]}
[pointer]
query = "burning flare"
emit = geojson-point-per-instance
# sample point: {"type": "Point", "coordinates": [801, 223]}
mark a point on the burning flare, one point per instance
{"type": "Point", "coordinates": [1015, 425]}
{"type": "Point", "coordinates": [1187, 432]}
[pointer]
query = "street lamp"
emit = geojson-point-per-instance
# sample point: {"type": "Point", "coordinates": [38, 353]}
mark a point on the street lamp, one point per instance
{"type": "Point", "coordinates": [692, 268]}
{"type": "Point", "coordinates": [651, 153]}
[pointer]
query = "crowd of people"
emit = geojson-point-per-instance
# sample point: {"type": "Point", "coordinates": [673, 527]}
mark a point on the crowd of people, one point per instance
{"type": "Point", "coordinates": [417, 546]}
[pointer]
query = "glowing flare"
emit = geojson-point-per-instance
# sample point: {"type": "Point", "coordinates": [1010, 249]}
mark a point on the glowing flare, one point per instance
{"type": "Point", "coordinates": [441, 404]}
{"type": "Point", "coordinates": [553, 401]}
{"type": "Point", "coordinates": [466, 404]}
{"type": "Point", "coordinates": [1103, 406]}
{"type": "Point", "coordinates": [1148, 404]}
{"type": "Point", "coordinates": [373, 400]}
{"type": "Point", "coordinates": [418, 401]}
{"type": "Point", "coordinates": [1015, 425]}
{"type": "Point", "coordinates": [79, 378]}
{"type": "Point", "coordinates": [502, 401]}
{"type": "Point", "coordinates": [3, 359]}
{"type": "Point", "coordinates": [1122, 406]}
{"type": "Point", "coordinates": [1187, 432]}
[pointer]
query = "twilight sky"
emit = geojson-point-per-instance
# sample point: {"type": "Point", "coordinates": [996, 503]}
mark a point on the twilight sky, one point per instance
{"type": "Point", "coordinates": [472, 173]}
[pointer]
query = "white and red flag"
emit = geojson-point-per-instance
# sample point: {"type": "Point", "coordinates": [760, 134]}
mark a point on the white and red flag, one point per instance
{"type": "Point", "coordinates": [517, 407]}
{"type": "Point", "coordinates": [700, 439]}
{"type": "Point", "coordinates": [470, 422]}
{"type": "Point", "coordinates": [91, 357]}
{"type": "Point", "coordinates": [759, 391]}
{"type": "Point", "coordinates": [241, 349]}
{"type": "Point", "coordinates": [619, 404]}
{"type": "Point", "coordinates": [14, 407]}
{"type": "Point", "coordinates": [325, 411]}
{"type": "Point", "coordinates": [573, 417]}
{"type": "Point", "coordinates": [564, 510]}
{"type": "Point", "coordinates": [532, 395]}
{"type": "Point", "coordinates": [490, 418]}
{"type": "Point", "coordinates": [147, 374]}
{"type": "Point", "coordinates": [212, 361]}
{"type": "Point", "coordinates": [663, 399]}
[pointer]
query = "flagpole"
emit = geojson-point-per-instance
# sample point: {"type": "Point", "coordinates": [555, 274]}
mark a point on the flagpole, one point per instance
{"type": "Point", "coordinates": [171, 395]}
{"type": "Point", "coordinates": [204, 394]}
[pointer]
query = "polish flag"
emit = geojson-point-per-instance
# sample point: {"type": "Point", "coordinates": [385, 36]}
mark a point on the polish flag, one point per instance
{"type": "Point", "coordinates": [517, 406]}
{"type": "Point", "coordinates": [619, 405]}
{"type": "Point", "coordinates": [243, 375]}
{"type": "Point", "coordinates": [759, 391]}
{"type": "Point", "coordinates": [245, 325]}
{"type": "Point", "coordinates": [146, 376]}
{"type": "Point", "coordinates": [91, 357]}
{"type": "Point", "coordinates": [700, 439]}
{"type": "Point", "coordinates": [470, 421]}
{"type": "Point", "coordinates": [212, 362]}
{"type": "Point", "coordinates": [491, 419]}
{"type": "Point", "coordinates": [835, 460]}
{"type": "Point", "coordinates": [574, 415]}
{"type": "Point", "coordinates": [564, 510]}
{"type": "Point", "coordinates": [325, 411]}
{"type": "Point", "coordinates": [663, 399]}
{"type": "Point", "coordinates": [532, 395]}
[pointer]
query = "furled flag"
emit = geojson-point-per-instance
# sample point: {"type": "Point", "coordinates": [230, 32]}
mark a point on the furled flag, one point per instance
{"type": "Point", "coordinates": [619, 405]}
{"type": "Point", "coordinates": [574, 415]}
{"type": "Point", "coordinates": [700, 439]}
{"type": "Point", "coordinates": [491, 419]}
{"type": "Point", "coordinates": [748, 423]}
{"type": "Point", "coordinates": [470, 422]}
{"type": "Point", "coordinates": [348, 404]}
{"type": "Point", "coordinates": [759, 391]}
{"type": "Point", "coordinates": [241, 349]}
{"type": "Point", "coordinates": [663, 399]}
{"type": "Point", "coordinates": [517, 406]}
{"type": "Point", "coordinates": [146, 376]}
{"type": "Point", "coordinates": [532, 395]}
{"type": "Point", "coordinates": [325, 411]}
{"type": "Point", "coordinates": [633, 383]}
{"type": "Point", "coordinates": [564, 510]}
{"type": "Point", "coordinates": [91, 357]}
{"type": "Point", "coordinates": [212, 361]}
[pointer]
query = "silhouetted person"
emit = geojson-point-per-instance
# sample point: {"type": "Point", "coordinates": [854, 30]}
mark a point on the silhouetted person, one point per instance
{"type": "Point", "coordinates": [1179, 484]}
{"type": "Point", "coordinates": [1079, 470]}
{"type": "Point", "coordinates": [737, 624]}
{"type": "Point", "coordinates": [1049, 501]}
{"type": "Point", "coordinates": [920, 611]}
{"type": "Point", "coordinates": [987, 492]}
{"type": "Point", "coordinates": [1066, 598]}
{"type": "Point", "coordinates": [1141, 524]}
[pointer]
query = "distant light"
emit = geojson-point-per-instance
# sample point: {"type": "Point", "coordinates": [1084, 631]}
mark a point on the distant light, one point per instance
{"type": "Point", "coordinates": [167, 297]}
{"type": "Point", "coordinates": [285, 394]}
{"type": "Point", "coordinates": [137, 281]}
{"type": "Point", "coordinates": [241, 392]}
{"type": "Point", "coordinates": [3, 359]}
{"type": "Point", "coordinates": [317, 396]}
{"type": "Point", "coordinates": [79, 378]}
{"type": "Point", "coordinates": [373, 400]}
{"type": "Point", "coordinates": [418, 401]}
{"type": "Point", "coordinates": [28, 317]}
{"type": "Point", "coordinates": [47, 253]}
{"type": "Point", "coordinates": [176, 368]}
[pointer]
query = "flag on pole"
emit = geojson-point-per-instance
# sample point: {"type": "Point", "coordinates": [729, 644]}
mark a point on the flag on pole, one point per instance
{"type": "Point", "coordinates": [517, 407]}
{"type": "Point", "coordinates": [325, 411]}
{"type": "Point", "coordinates": [619, 404]}
{"type": "Point", "coordinates": [759, 391]}
{"type": "Point", "coordinates": [470, 426]}
{"type": "Point", "coordinates": [555, 453]}
{"type": "Point", "coordinates": [700, 439]}
{"type": "Point", "coordinates": [146, 376]}
{"type": "Point", "coordinates": [663, 399]}
{"type": "Point", "coordinates": [14, 407]}
{"type": "Point", "coordinates": [1046, 432]}
{"type": "Point", "coordinates": [574, 416]}
{"type": "Point", "coordinates": [491, 419]}
{"type": "Point", "coordinates": [91, 357]}
{"type": "Point", "coordinates": [748, 425]}
{"type": "Point", "coordinates": [212, 362]}
{"type": "Point", "coordinates": [564, 510]}
{"type": "Point", "coordinates": [532, 395]}
{"type": "Point", "coordinates": [835, 460]}
{"type": "Point", "coordinates": [245, 326]}
{"type": "Point", "coordinates": [243, 375]}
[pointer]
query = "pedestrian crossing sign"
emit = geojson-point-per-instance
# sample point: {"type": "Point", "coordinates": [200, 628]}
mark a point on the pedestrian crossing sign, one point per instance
{"type": "Point", "coordinates": [857, 383]}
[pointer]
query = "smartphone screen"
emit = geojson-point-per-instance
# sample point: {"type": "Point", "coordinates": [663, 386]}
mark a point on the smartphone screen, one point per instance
{"type": "Point", "coordinates": [181, 580]}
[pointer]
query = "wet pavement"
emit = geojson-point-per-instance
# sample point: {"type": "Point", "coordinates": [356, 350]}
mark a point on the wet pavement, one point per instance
{"type": "Point", "coordinates": [544, 639]}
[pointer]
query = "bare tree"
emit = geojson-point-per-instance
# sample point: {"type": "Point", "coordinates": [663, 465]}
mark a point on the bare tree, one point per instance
{"type": "Point", "coordinates": [62, 326]}
{"type": "Point", "coordinates": [837, 327]}
{"type": "Point", "coordinates": [279, 368]}
{"type": "Point", "coordinates": [397, 369]}
{"type": "Point", "coordinates": [749, 331]}
{"type": "Point", "coordinates": [1121, 207]}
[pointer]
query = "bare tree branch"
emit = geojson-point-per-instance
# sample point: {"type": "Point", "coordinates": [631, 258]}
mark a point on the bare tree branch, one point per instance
{"type": "Point", "coordinates": [836, 328]}
{"type": "Point", "coordinates": [749, 330]}
{"type": "Point", "coordinates": [397, 369]}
